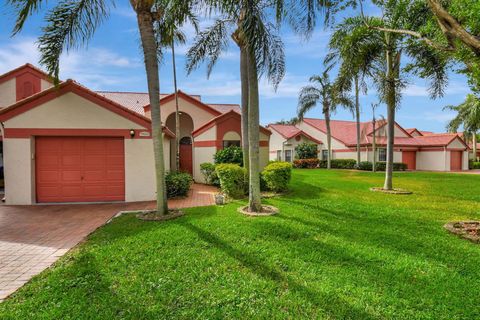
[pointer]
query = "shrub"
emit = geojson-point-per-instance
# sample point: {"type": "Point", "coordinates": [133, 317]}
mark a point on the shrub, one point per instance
{"type": "Point", "coordinates": [232, 154]}
{"type": "Point", "coordinates": [340, 164]}
{"type": "Point", "coordinates": [209, 174]}
{"type": "Point", "coordinates": [178, 184]}
{"type": "Point", "coordinates": [306, 163]}
{"type": "Point", "coordinates": [380, 166]}
{"type": "Point", "coordinates": [474, 165]}
{"type": "Point", "coordinates": [277, 176]}
{"type": "Point", "coordinates": [306, 150]}
{"type": "Point", "coordinates": [232, 179]}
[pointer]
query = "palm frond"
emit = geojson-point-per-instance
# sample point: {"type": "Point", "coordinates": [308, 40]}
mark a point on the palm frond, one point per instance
{"type": "Point", "coordinates": [23, 9]}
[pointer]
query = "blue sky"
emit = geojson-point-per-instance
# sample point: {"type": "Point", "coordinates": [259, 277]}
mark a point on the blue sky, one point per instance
{"type": "Point", "coordinates": [112, 61]}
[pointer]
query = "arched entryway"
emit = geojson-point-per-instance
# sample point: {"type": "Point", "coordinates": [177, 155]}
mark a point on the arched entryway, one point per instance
{"type": "Point", "coordinates": [186, 128]}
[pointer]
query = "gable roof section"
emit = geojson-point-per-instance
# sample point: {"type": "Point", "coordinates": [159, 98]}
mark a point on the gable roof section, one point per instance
{"type": "Point", "coordinates": [411, 131]}
{"type": "Point", "coordinates": [439, 139]}
{"type": "Point", "coordinates": [71, 86]}
{"type": "Point", "coordinates": [222, 118]}
{"type": "Point", "coordinates": [188, 98]}
{"type": "Point", "coordinates": [290, 131]}
{"type": "Point", "coordinates": [24, 69]}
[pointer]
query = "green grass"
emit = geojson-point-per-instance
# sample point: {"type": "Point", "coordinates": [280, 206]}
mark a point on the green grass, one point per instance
{"type": "Point", "coordinates": [336, 251]}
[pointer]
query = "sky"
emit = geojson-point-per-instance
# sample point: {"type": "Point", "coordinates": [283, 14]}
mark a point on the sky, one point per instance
{"type": "Point", "coordinates": [112, 61]}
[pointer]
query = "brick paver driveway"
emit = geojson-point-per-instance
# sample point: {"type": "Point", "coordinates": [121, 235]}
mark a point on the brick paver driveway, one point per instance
{"type": "Point", "coordinates": [34, 237]}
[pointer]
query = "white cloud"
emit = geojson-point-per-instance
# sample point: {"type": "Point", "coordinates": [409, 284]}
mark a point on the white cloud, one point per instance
{"type": "Point", "coordinates": [454, 88]}
{"type": "Point", "coordinates": [95, 67]}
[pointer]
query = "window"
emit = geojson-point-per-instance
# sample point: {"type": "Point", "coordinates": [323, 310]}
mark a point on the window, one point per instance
{"type": "Point", "coordinates": [382, 154]}
{"type": "Point", "coordinates": [288, 155]}
{"type": "Point", "coordinates": [279, 155]}
{"type": "Point", "coordinates": [229, 143]}
{"type": "Point", "coordinates": [324, 154]}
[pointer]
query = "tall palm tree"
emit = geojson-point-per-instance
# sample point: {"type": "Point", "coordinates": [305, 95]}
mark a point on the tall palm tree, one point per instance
{"type": "Point", "coordinates": [322, 91]}
{"type": "Point", "coordinates": [261, 52]}
{"type": "Point", "coordinates": [468, 117]}
{"type": "Point", "coordinates": [168, 34]}
{"type": "Point", "coordinates": [388, 53]}
{"type": "Point", "coordinates": [71, 24]}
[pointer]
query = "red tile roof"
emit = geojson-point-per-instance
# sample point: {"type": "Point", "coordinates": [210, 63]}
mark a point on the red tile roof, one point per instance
{"type": "Point", "coordinates": [290, 131]}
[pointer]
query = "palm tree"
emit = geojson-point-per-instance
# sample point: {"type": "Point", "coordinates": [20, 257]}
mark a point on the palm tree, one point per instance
{"type": "Point", "coordinates": [388, 51]}
{"type": "Point", "coordinates": [468, 117]}
{"type": "Point", "coordinates": [322, 91]}
{"type": "Point", "coordinates": [261, 52]}
{"type": "Point", "coordinates": [169, 33]}
{"type": "Point", "coordinates": [71, 24]}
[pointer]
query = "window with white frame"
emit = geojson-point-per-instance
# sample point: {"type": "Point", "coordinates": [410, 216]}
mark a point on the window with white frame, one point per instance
{"type": "Point", "coordinates": [382, 154]}
{"type": "Point", "coordinates": [288, 155]}
{"type": "Point", "coordinates": [279, 155]}
{"type": "Point", "coordinates": [324, 154]}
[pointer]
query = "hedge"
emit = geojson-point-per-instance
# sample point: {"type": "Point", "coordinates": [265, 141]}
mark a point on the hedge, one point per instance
{"type": "Point", "coordinates": [178, 184]}
{"type": "Point", "coordinates": [209, 174]}
{"type": "Point", "coordinates": [306, 163]}
{"type": "Point", "coordinates": [277, 175]}
{"type": "Point", "coordinates": [232, 179]}
{"type": "Point", "coordinates": [232, 154]}
{"type": "Point", "coordinates": [473, 165]}
{"type": "Point", "coordinates": [339, 164]}
{"type": "Point", "coordinates": [380, 166]}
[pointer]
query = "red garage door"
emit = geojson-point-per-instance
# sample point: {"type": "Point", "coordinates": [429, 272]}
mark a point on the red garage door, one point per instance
{"type": "Point", "coordinates": [456, 160]}
{"type": "Point", "coordinates": [79, 169]}
{"type": "Point", "coordinates": [410, 158]}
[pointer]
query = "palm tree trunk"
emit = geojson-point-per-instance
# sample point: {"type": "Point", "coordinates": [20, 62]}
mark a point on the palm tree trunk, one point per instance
{"type": "Point", "coordinates": [149, 45]}
{"type": "Point", "coordinates": [474, 145]}
{"type": "Point", "coordinates": [391, 103]}
{"type": "Point", "coordinates": [357, 118]}
{"type": "Point", "coordinates": [254, 202]}
{"type": "Point", "coordinates": [177, 112]}
{"type": "Point", "coordinates": [326, 112]}
{"type": "Point", "coordinates": [374, 145]}
{"type": "Point", "coordinates": [245, 98]}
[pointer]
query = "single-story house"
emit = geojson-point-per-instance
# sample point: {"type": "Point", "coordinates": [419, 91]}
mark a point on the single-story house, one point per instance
{"type": "Point", "coordinates": [285, 139]}
{"type": "Point", "coordinates": [67, 143]}
{"type": "Point", "coordinates": [420, 150]}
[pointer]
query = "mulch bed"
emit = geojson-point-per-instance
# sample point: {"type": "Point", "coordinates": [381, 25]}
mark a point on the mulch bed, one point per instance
{"type": "Point", "coordinates": [393, 191]}
{"type": "Point", "coordinates": [469, 230]}
{"type": "Point", "coordinates": [152, 215]}
{"type": "Point", "coordinates": [266, 211]}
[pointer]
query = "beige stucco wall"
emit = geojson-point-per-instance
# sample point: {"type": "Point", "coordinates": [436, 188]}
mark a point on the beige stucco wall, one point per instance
{"type": "Point", "coordinates": [19, 177]}
{"type": "Point", "coordinates": [319, 135]}
{"type": "Point", "coordinates": [208, 135]}
{"type": "Point", "coordinates": [201, 155]}
{"type": "Point", "coordinates": [465, 160]}
{"type": "Point", "coordinates": [8, 93]}
{"type": "Point", "coordinates": [263, 157]}
{"type": "Point", "coordinates": [44, 85]}
{"type": "Point", "coordinates": [232, 136]}
{"type": "Point", "coordinates": [433, 160]}
{"type": "Point", "coordinates": [198, 115]}
{"type": "Point", "coordinates": [70, 111]}
{"type": "Point", "coordinates": [140, 169]}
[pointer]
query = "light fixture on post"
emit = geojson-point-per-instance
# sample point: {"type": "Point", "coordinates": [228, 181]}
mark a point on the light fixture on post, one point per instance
{"type": "Point", "coordinates": [132, 133]}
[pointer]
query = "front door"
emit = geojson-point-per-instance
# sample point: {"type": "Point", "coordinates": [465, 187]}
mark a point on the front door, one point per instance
{"type": "Point", "coordinates": [186, 164]}
{"type": "Point", "coordinates": [410, 159]}
{"type": "Point", "coordinates": [456, 160]}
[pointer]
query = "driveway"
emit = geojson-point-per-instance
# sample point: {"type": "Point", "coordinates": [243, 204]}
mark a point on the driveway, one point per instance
{"type": "Point", "coordinates": [34, 237]}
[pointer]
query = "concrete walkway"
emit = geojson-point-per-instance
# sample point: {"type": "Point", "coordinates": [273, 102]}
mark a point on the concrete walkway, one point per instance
{"type": "Point", "coordinates": [33, 237]}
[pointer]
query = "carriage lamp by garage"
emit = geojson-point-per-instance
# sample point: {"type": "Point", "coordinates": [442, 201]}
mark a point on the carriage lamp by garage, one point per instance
{"type": "Point", "coordinates": [132, 133]}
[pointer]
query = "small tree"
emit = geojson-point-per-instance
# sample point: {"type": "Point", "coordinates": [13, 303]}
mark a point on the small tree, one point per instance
{"type": "Point", "coordinates": [307, 150]}
{"type": "Point", "coordinates": [232, 154]}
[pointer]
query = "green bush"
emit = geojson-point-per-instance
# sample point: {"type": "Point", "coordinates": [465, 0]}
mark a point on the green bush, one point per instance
{"type": "Point", "coordinates": [474, 165]}
{"type": "Point", "coordinates": [178, 184]}
{"type": "Point", "coordinates": [307, 150]}
{"type": "Point", "coordinates": [277, 176]}
{"type": "Point", "coordinates": [339, 164]}
{"type": "Point", "coordinates": [232, 179]}
{"type": "Point", "coordinates": [232, 154]}
{"type": "Point", "coordinates": [306, 163]}
{"type": "Point", "coordinates": [380, 166]}
{"type": "Point", "coordinates": [209, 174]}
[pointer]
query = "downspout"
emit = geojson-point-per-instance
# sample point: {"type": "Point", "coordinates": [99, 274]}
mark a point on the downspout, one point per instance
{"type": "Point", "coordinates": [2, 132]}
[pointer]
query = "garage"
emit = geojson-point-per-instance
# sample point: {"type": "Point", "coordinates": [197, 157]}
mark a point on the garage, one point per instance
{"type": "Point", "coordinates": [456, 160]}
{"type": "Point", "coordinates": [410, 159]}
{"type": "Point", "coordinates": [79, 169]}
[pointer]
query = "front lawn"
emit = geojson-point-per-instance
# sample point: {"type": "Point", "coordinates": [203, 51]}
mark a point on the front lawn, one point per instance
{"type": "Point", "coordinates": [336, 251]}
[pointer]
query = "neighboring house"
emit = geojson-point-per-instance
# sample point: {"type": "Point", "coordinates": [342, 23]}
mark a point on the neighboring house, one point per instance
{"type": "Point", "coordinates": [285, 139]}
{"type": "Point", "coordinates": [71, 144]}
{"type": "Point", "coordinates": [420, 150]}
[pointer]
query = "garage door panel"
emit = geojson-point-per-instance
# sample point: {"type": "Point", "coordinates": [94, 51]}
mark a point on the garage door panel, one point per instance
{"type": "Point", "coordinates": [80, 169]}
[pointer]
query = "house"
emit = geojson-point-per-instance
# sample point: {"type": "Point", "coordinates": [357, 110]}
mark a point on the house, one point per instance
{"type": "Point", "coordinates": [67, 143]}
{"type": "Point", "coordinates": [284, 140]}
{"type": "Point", "coordinates": [420, 150]}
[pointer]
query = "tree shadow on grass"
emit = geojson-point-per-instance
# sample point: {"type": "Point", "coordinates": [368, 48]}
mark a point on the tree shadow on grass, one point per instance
{"type": "Point", "coordinates": [332, 304]}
